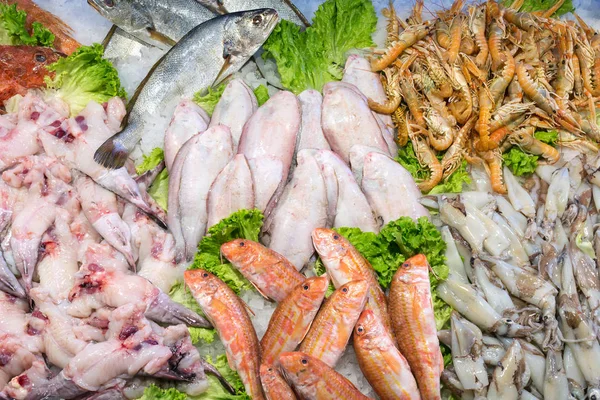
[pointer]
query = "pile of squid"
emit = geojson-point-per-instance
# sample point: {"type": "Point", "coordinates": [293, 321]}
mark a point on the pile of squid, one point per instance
{"type": "Point", "coordinates": [524, 284]}
{"type": "Point", "coordinates": [469, 85]}
{"type": "Point", "coordinates": [82, 318]}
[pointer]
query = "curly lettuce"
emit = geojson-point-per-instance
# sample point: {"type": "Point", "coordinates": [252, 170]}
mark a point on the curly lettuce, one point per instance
{"type": "Point", "coordinates": [245, 224]}
{"type": "Point", "coordinates": [262, 94]}
{"type": "Point", "coordinates": [543, 5]}
{"type": "Point", "coordinates": [13, 28]}
{"type": "Point", "coordinates": [82, 77]}
{"type": "Point", "coordinates": [180, 294]}
{"type": "Point", "coordinates": [208, 101]}
{"type": "Point", "coordinates": [311, 58]}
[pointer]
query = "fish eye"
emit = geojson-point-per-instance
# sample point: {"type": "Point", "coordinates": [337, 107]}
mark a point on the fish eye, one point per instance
{"type": "Point", "coordinates": [109, 3]}
{"type": "Point", "coordinates": [336, 237]}
{"type": "Point", "coordinates": [242, 244]}
{"type": "Point", "coordinates": [305, 287]}
{"type": "Point", "coordinates": [40, 57]}
{"type": "Point", "coordinates": [345, 289]}
{"type": "Point", "coordinates": [205, 275]}
{"type": "Point", "coordinates": [257, 20]}
{"type": "Point", "coordinates": [304, 361]}
{"type": "Point", "coordinates": [360, 329]}
{"type": "Point", "coordinates": [270, 369]}
{"type": "Point", "coordinates": [406, 265]}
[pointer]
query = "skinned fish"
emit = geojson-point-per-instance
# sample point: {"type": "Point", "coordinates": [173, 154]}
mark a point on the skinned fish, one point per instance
{"type": "Point", "coordinates": [311, 133]}
{"type": "Point", "coordinates": [268, 141]}
{"type": "Point", "coordinates": [189, 190]}
{"type": "Point", "coordinates": [188, 120]}
{"type": "Point", "coordinates": [302, 208]}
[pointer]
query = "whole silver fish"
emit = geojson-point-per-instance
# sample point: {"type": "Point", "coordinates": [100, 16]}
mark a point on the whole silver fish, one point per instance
{"type": "Point", "coordinates": [203, 57]}
{"type": "Point", "coordinates": [157, 22]}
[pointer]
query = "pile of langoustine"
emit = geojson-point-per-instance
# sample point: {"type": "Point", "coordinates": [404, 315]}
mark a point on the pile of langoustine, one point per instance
{"type": "Point", "coordinates": [469, 85]}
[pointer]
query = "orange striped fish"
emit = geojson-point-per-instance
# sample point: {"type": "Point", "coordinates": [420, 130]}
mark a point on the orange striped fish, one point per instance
{"type": "Point", "coordinates": [292, 318]}
{"type": "Point", "coordinates": [271, 273]}
{"type": "Point", "coordinates": [230, 318]}
{"type": "Point", "coordinates": [332, 328]}
{"type": "Point", "coordinates": [275, 387]}
{"type": "Point", "coordinates": [344, 264]}
{"type": "Point", "coordinates": [413, 321]}
{"type": "Point", "coordinates": [380, 361]}
{"type": "Point", "coordinates": [315, 380]}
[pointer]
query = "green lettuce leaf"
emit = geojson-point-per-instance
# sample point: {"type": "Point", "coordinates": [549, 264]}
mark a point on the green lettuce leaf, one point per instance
{"type": "Point", "coordinates": [262, 94]}
{"type": "Point", "coordinates": [159, 190]}
{"type": "Point", "coordinates": [209, 100]}
{"type": "Point", "coordinates": [542, 5]}
{"type": "Point", "coordinates": [455, 182]}
{"type": "Point", "coordinates": [548, 137]}
{"type": "Point", "coordinates": [311, 58]}
{"type": "Point", "coordinates": [154, 392]}
{"type": "Point", "coordinates": [244, 224]}
{"type": "Point", "coordinates": [519, 162]}
{"type": "Point", "coordinates": [180, 294]}
{"type": "Point", "coordinates": [156, 156]}
{"type": "Point", "coordinates": [13, 29]}
{"type": "Point", "coordinates": [84, 76]}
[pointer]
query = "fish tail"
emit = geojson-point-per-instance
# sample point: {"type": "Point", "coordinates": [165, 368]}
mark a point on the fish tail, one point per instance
{"type": "Point", "coordinates": [112, 154]}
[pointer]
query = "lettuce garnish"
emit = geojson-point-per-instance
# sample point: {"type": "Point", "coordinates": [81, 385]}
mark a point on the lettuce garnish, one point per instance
{"type": "Point", "coordinates": [159, 190]}
{"type": "Point", "coordinates": [521, 163]}
{"type": "Point", "coordinates": [13, 28]}
{"type": "Point", "coordinates": [542, 5]}
{"type": "Point", "coordinates": [84, 76]}
{"type": "Point", "coordinates": [245, 224]}
{"type": "Point", "coordinates": [311, 58]}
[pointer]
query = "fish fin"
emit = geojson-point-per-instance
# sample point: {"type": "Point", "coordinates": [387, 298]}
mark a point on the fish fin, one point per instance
{"type": "Point", "coordinates": [261, 293]}
{"type": "Point", "coordinates": [160, 37]}
{"type": "Point", "coordinates": [221, 75]}
{"type": "Point", "coordinates": [111, 154]}
{"type": "Point", "coordinates": [247, 307]}
{"type": "Point", "coordinates": [230, 360]}
{"type": "Point", "coordinates": [211, 369]}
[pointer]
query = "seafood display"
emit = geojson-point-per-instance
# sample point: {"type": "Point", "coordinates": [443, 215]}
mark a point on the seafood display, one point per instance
{"type": "Point", "coordinates": [478, 80]}
{"type": "Point", "coordinates": [364, 223]}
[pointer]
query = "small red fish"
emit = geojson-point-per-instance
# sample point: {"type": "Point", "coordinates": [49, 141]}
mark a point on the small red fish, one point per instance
{"type": "Point", "coordinates": [23, 67]}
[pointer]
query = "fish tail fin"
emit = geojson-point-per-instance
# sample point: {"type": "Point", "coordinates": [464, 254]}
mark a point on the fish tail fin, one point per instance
{"type": "Point", "coordinates": [112, 154]}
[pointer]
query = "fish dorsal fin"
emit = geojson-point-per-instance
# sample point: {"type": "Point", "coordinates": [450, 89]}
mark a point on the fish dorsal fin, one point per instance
{"type": "Point", "coordinates": [246, 306]}
{"type": "Point", "coordinates": [261, 293]}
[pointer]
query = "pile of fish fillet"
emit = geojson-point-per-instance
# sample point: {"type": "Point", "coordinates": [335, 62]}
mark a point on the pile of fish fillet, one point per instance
{"type": "Point", "coordinates": [88, 257]}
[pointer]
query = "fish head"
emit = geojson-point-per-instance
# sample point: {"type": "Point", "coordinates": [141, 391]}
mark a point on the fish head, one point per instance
{"type": "Point", "coordinates": [298, 368]}
{"type": "Point", "coordinates": [126, 14]}
{"type": "Point", "coordinates": [415, 270]}
{"type": "Point", "coordinates": [329, 244]}
{"type": "Point", "coordinates": [268, 374]}
{"type": "Point", "coordinates": [245, 32]}
{"type": "Point", "coordinates": [352, 295]}
{"type": "Point", "coordinates": [202, 283]}
{"type": "Point", "coordinates": [240, 251]}
{"type": "Point", "coordinates": [368, 327]}
{"type": "Point", "coordinates": [310, 293]}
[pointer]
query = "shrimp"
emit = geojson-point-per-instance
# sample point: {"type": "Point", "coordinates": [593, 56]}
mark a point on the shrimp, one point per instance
{"type": "Point", "coordinates": [426, 157]}
{"type": "Point", "coordinates": [497, 32]}
{"type": "Point", "coordinates": [441, 133]}
{"type": "Point", "coordinates": [455, 153]}
{"type": "Point", "coordinates": [411, 35]}
{"type": "Point", "coordinates": [455, 39]}
{"type": "Point", "coordinates": [477, 27]}
{"type": "Point", "coordinates": [461, 106]}
{"type": "Point", "coordinates": [499, 85]}
{"type": "Point", "coordinates": [399, 118]}
{"type": "Point", "coordinates": [525, 21]}
{"type": "Point", "coordinates": [486, 105]}
{"type": "Point", "coordinates": [493, 159]}
{"type": "Point", "coordinates": [585, 54]}
{"type": "Point", "coordinates": [393, 91]}
{"type": "Point", "coordinates": [393, 25]}
{"type": "Point", "coordinates": [508, 113]}
{"type": "Point", "coordinates": [577, 79]}
{"type": "Point", "coordinates": [525, 140]}
{"type": "Point", "coordinates": [412, 98]}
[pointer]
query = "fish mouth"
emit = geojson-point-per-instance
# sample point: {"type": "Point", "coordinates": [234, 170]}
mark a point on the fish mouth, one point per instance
{"type": "Point", "coordinates": [272, 18]}
{"type": "Point", "coordinates": [95, 5]}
